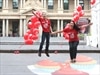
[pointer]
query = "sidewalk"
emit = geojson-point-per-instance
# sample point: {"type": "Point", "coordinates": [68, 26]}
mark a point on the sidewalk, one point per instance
{"type": "Point", "coordinates": [8, 45]}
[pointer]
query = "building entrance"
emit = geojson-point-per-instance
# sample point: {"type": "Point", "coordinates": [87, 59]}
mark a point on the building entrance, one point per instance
{"type": "Point", "coordinates": [15, 28]}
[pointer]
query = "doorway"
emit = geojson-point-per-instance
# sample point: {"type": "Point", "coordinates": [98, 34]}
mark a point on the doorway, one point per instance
{"type": "Point", "coordinates": [15, 28]}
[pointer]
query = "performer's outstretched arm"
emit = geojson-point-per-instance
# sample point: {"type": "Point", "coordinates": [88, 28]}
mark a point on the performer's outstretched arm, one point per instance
{"type": "Point", "coordinates": [34, 13]}
{"type": "Point", "coordinates": [60, 31]}
{"type": "Point", "coordinates": [84, 26]}
{"type": "Point", "coordinates": [51, 29]}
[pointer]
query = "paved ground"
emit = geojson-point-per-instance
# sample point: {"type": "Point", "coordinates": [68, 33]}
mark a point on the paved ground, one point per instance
{"type": "Point", "coordinates": [60, 44]}
{"type": "Point", "coordinates": [34, 48]}
{"type": "Point", "coordinates": [16, 64]}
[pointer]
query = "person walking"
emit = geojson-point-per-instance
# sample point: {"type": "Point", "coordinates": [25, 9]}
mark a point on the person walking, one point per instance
{"type": "Point", "coordinates": [46, 30]}
{"type": "Point", "coordinates": [72, 30]}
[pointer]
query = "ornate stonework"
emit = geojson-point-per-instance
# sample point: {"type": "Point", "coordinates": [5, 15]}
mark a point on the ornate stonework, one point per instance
{"type": "Point", "coordinates": [33, 4]}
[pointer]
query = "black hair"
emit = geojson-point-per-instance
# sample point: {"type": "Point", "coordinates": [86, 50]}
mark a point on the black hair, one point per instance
{"type": "Point", "coordinates": [29, 21]}
{"type": "Point", "coordinates": [88, 20]}
{"type": "Point", "coordinates": [76, 26]}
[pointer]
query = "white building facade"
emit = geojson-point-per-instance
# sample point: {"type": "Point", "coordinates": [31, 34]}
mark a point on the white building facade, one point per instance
{"type": "Point", "coordinates": [95, 28]}
{"type": "Point", "coordinates": [14, 14]}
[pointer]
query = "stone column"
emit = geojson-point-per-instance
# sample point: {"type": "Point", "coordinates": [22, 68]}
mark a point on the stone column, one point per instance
{"type": "Point", "coordinates": [5, 6]}
{"type": "Point", "coordinates": [61, 3]}
{"type": "Point", "coordinates": [58, 27]}
{"type": "Point", "coordinates": [3, 30]}
{"type": "Point", "coordinates": [42, 1]}
{"type": "Point", "coordinates": [21, 4]}
{"type": "Point", "coordinates": [61, 27]}
{"type": "Point", "coordinates": [75, 4]}
{"type": "Point", "coordinates": [7, 28]}
{"type": "Point", "coordinates": [4, 3]}
{"type": "Point", "coordinates": [60, 6]}
{"type": "Point", "coordinates": [25, 26]}
{"type": "Point", "coordinates": [20, 29]}
{"type": "Point", "coordinates": [45, 4]}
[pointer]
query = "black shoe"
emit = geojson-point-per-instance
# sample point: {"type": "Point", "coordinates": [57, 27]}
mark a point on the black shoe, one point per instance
{"type": "Point", "coordinates": [73, 61]}
{"type": "Point", "coordinates": [47, 54]}
{"type": "Point", "coordinates": [39, 54]}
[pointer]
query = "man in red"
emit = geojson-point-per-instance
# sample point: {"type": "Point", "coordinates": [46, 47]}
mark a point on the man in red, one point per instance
{"type": "Point", "coordinates": [46, 30]}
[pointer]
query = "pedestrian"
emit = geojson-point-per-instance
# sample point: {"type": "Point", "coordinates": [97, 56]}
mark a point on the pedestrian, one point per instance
{"type": "Point", "coordinates": [72, 30]}
{"type": "Point", "coordinates": [46, 30]}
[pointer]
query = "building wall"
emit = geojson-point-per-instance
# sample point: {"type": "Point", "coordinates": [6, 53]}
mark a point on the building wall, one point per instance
{"type": "Point", "coordinates": [95, 29]}
{"type": "Point", "coordinates": [57, 15]}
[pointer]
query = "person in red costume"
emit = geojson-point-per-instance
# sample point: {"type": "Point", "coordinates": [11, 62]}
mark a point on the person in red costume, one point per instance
{"type": "Point", "coordinates": [72, 30]}
{"type": "Point", "coordinates": [46, 30]}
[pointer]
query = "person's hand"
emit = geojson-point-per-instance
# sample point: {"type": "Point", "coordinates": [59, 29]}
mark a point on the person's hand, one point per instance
{"type": "Point", "coordinates": [53, 33]}
{"type": "Point", "coordinates": [90, 23]}
{"type": "Point", "coordinates": [33, 11]}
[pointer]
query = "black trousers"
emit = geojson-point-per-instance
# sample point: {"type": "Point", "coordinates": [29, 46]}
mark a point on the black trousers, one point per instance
{"type": "Point", "coordinates": [73, 49]}
{"type": "Point", "coordinates": [45, 36]}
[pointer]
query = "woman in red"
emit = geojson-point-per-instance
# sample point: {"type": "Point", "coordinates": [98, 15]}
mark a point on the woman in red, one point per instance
{"type": "Point", "coordinates": [72, 30]}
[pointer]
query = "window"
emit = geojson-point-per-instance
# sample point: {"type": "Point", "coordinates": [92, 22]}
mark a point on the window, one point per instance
{"type": "Point", "coordinates": [81, 2]}
{"type": "Point", "coordinates": [50, 4]}
{"type": "Point", "coordinates": [0, 4]}
{"type": "Point", "coordinates": [66, 4]}
{"type": "Point", "coordinates": [15, 4]}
